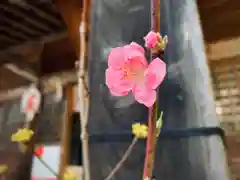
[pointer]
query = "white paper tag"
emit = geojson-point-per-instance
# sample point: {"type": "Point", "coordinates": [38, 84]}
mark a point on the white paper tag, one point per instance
{"type": "Point", "coordinates": [30, 102]}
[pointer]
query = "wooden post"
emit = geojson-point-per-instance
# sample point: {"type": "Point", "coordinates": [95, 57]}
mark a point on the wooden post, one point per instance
{"type": "Point", "coordinates": [186, 98]}
{"type": "Point", "coordinates": [75, 14]}
{"type": "Point", "coordinates": [66, 125]}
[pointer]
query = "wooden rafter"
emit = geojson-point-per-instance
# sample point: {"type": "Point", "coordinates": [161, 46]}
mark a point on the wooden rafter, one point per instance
{"type": "Point", "coordinates": [14, 33]}
{"type": "Point", "coordinates": [44, 39]}
{"type": "Point", "coordinates": [43, 14]}
{"type": "Point", "coordinates": [26, 18]}
{"type": "Point", "coordinates": [19, 25]}
{"type": "Point", "coordinates": [6, 38]}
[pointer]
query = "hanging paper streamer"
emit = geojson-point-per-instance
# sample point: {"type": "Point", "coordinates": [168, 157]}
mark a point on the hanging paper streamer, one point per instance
{"type": "Point", "coordinates": [30, 102]}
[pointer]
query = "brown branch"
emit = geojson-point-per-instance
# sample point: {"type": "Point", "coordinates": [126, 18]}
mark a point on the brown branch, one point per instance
{"type": "Point", "coordinates": [152, 114]}
{"type": "Point", "coordinates": [85, 86]}
{"type": "Point", "coordinates": [84, 104]}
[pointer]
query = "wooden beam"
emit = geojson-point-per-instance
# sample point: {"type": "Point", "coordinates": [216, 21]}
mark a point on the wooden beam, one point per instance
{"type": "Point", "coordinates": [6, 38]}
{"type": "Point", "coordinates": [66, 78]}
{"type": "Point", "coordinates": [44, 39]}
{"type": "Point", "coordinates": [43, 14]}
{"type": "Point", "coordinates": [206, 4]}
{"type": "Point", "coordinates": [223, 49]}
{"type": "Point", "coordinates": [19, 25]}
{"type": "Point", "coordinates": [71, 14]}
{"type": "Point", "coordinates": [14, 33]}
{"type": "Point", "coordinates": [23, 73]}
{"type": "Point", "coordinates": [26, 18]}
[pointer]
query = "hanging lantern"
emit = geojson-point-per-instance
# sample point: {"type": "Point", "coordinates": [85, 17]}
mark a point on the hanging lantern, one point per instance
{"type": "Point", "coordinates": [30, 102]}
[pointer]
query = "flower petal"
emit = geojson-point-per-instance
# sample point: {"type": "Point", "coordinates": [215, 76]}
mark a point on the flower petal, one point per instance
{"type": "Point", "coordinates": [155, 73]}
{"type": "Point", "coordinates": [137, 47]}
{"type": "Point", "coordinates": [117, 84]}
{"type": "Point", "coordinates": [116, 58]}
{"type": "Point", "coordinates": [144, 95]}
{"type": "Point", "coordinates": [151, 39]}
{"type": "Point", "coordinates": [132, 51]}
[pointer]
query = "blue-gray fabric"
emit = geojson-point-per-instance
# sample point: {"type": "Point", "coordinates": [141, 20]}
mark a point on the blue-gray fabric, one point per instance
{"type": "Point", "coordinates": [185, 96]}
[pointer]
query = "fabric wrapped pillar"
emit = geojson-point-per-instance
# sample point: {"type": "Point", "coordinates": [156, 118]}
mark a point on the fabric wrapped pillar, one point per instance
{"type": "Point", "coordinates": [187, 99]}
{"type": "Point", "coordinates": [186, 96]}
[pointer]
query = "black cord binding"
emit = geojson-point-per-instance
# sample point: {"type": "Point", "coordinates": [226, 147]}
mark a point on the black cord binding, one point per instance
{"type": "Point", "coordinates": [165, 134]}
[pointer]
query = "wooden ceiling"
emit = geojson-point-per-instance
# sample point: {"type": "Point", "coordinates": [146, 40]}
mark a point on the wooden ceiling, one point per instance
{"type": "Point", "coordinates": [39, 22]}
{"type": "Point", "coordinates": [30, 31]}
{"type": "Point", "coordinates": [220, 19]}
{"type": "Point", "coordinates": [21, 22]}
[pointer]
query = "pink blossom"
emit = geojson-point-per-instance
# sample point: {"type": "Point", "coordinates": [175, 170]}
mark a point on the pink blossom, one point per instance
{"type": "Point", "coordinates": [151, 39]}
{"type": "Point", "coordinates": [128, 70]}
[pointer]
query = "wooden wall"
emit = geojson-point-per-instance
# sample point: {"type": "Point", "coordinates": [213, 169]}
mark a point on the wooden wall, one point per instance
{"type": "Point", "coordinates": [226, 84]}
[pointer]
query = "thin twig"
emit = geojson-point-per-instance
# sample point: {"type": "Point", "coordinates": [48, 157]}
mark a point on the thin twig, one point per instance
{"type": "Point", "coordinates": [84, 104]}
{"type": "Point", "coordinates": [85, 85]}
{"type": "Point", "coordinates": [124, 158]}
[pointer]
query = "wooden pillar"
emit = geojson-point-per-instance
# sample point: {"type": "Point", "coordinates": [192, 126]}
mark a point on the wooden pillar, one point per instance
{"type": "Point", "coordinates": [186, 98]}
{"type": "Point", "coordinates": [66, 125]}
{"type": "Point", "coordinates": [72, 13]}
